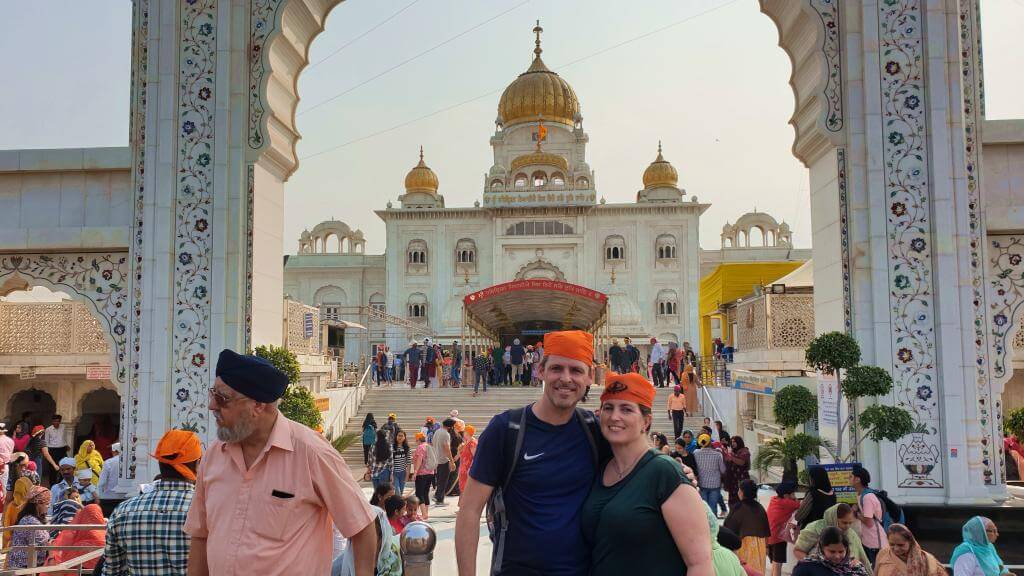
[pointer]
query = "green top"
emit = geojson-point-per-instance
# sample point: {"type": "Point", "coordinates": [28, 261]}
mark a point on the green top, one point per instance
{"type": "Point", "coordinates": [623, 525]}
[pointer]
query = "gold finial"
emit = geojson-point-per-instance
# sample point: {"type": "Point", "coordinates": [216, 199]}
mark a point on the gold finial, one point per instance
{"type": "Point", "coordinates": [537, 30]}
{"type": "Point", "coordinates": [421, 153]}
{"type": "Point", "coordinates": [660, 157]}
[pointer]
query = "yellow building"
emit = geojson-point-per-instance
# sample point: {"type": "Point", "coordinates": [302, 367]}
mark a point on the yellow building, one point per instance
{"type": "Point", "coordinates": [727, 282]}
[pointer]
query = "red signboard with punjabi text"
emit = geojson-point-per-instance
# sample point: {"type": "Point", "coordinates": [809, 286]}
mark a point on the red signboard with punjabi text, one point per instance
{"type": "Point", "coordinates": [535, 284]}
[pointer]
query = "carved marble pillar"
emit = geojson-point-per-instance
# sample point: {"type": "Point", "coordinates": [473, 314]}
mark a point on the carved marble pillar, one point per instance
{"type": "Point", "coordinates": [887, 123]}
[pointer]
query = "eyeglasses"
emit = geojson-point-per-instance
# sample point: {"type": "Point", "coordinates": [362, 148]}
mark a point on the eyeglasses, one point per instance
{"type": "Point", "coordinates": [221, 398]}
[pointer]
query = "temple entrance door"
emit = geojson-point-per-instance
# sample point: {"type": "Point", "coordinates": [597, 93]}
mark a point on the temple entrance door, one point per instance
{"type": "Point", "coordinates": [99, 420]}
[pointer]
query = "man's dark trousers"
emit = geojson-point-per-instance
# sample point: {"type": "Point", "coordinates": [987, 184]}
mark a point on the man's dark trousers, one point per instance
{"type": "Point", "coordinates": [678, 421]}
{"type": "Point", "coordinates": [444, 470]}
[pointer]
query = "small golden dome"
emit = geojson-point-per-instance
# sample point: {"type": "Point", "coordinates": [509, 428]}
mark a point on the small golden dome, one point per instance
{"type": "Point", "coordinates": [421, 178]}
{"type": "Point", "coordinates": [538, 93]}
{"type": "Point", "coordinates": [660, 173]}
{"type": "Point", "coordinates": [540, 158]}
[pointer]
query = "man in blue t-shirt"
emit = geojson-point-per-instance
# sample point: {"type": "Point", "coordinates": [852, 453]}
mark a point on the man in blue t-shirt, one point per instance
{"type": "Point", "coordinates": [515, 356]}
{"type": "Point", "coordinates": [552, 477]}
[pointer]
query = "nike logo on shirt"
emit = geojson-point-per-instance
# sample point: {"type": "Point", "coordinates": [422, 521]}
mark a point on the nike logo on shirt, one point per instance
{"type": "Point", "coordinates": [527, 457]}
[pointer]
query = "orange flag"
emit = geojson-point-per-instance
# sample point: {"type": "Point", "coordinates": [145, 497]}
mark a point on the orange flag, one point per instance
{"type": "Point", "coordinates": [542, 132]}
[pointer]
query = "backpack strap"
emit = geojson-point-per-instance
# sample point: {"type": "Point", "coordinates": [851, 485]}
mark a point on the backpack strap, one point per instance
{"type": "Point", "coordinates": [591, 428]}
{"type": "Point", "coordinates": [514, 441]}
{"type": "Point", "coordinates": [497, 516]}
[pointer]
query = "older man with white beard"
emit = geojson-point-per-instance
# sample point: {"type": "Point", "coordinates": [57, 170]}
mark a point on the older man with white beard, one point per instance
{"type": "Point", "coordinates": [269, 489]}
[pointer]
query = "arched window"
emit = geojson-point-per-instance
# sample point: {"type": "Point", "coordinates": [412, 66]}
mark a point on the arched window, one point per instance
{"type": "Point", "coordinates": [582, 183]}
{"type": "Point", "coordinates": [539, 179]}
{"type": "Point", "coordinates": [497, 184]}
{"type": "Point", "coordinates": [416, 255]}
{"type": "Point", "coordinates": [465, 254]}
{"type": "Point", "coordinates": [667, 303]}
{"type": "Point", "coordinates": [558, 180]}
{"type": "Point", "coordinates": [665, 247]}
{"type": "Point", "coordinates": [377, 302]}
{"type": "Point", "coordinates": [417, 305]}
{"type": "Point", "coordinates": [520, 181]}
{"type": "Point", "coordinates": [614, 248]}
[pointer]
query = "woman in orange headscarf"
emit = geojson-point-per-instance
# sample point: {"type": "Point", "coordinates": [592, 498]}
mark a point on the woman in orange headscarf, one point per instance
{"type": "Point", "coordinates": [90, 514]}
{"type": "Point", "coordinates": [466, 454]}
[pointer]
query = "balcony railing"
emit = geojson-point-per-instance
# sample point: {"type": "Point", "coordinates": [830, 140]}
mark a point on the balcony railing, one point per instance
{"type": "Point", "coordinates": [774, 321]}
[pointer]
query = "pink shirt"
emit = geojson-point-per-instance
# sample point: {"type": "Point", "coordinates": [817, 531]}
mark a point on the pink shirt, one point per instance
{"type": "Point", "coordinates": [275, 518]}
{"type": "Point", "coordinates": [417, 459]}
{"type": "Point", "coordinates": [6, 448]}
{"type": "Point", "coordinates": [872, 536]}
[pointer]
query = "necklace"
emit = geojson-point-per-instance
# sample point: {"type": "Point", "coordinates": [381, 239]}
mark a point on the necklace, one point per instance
{"type": "Point", "coordinates": [622, 473]}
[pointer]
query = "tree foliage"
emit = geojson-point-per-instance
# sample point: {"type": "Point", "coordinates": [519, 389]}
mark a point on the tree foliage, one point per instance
{"type": "Point", "coordinates": [863, 381]}
{"type": "Point", "coordinates": [299, 405]}
{"type": "Point", "coordinates": [833, 351]}
{"type": "Point", "coordinates": [786, 452]}
{"type": "Point", "coordinates": [283, 359]}
{"type": "Point", "coordinates": [1014, 423]}
{"type": "Point", "coordinates": [794, 405]}
{"type": "Point", "coordinates": [886, 422]}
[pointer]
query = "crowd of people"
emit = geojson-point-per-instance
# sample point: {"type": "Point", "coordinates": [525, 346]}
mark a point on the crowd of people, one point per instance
{"type": "Point", "coordinates": [434, 365]}
{"type": "Point", "coordinates": [43, 485]}
{"type": "Point", "coordinates": [440, 462]}
{"type": "Point", "coordinates": [271, 496]}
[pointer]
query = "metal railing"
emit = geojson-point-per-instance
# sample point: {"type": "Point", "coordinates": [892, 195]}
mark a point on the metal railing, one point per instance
{"type": "Point", "coordinates": [707, 399]}
{"type": "Point", "coordinates": [355, 399]}
{"type": "Point", "coordinates": [74, 565]}
{"type": "Point", "coordinates": [713, 370]}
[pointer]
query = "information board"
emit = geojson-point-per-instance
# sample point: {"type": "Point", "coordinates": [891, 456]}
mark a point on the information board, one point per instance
{"type": "Point", "coordinates": [839, 476]}
{"type": "Point", "coordinates": [97, 372]}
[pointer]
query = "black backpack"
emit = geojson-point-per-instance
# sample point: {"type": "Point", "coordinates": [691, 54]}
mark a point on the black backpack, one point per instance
{"type": "Point", "coordinates": [497, 518]}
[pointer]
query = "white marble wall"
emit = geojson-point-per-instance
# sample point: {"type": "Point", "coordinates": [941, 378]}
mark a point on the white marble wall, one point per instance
{"type": "Point", "coordinates": [65, 199]}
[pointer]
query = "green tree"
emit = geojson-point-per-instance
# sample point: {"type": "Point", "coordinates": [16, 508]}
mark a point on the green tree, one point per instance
{"type": "Point", "coordinates": [787, 452]}
{"type": "Point", "coordinates": [831, 353]}
{"type": "Point", "coordinates": [793, 406]}
{"type": "Point", "coordinates": [298, 403]}
{"type": "Point", "coordinates": [283, 359]}
{"type": "Point", "coordinates": [1014, 423]}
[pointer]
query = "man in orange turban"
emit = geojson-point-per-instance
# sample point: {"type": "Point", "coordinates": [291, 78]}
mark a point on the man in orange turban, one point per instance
{"type": "Point", "coordinates": [551, 473]}
{"type": "Point", "coordinates": [157, 515]}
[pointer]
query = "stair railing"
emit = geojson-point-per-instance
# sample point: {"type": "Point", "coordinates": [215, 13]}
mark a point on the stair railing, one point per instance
{"type": "Point", "coordinates": [352, 402]}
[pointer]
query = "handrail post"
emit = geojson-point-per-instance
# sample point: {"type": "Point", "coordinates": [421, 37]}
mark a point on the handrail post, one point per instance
{"type": "Point", "coordinates": [417, 544]}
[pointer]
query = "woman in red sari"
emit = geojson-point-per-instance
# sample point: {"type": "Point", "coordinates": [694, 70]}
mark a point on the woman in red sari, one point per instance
{"type": "Point", "coordinates": [466, 454]}
{"type": "Point", "coordinates": [90, 514]}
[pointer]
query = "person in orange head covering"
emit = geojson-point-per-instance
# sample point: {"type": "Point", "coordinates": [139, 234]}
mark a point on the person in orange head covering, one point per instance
{"type": "Point", "coordinates": [157, 515]}
{"type": "Point", "coordinates": [641, 498]}
{"type": "Point", "coordinates": [552, 473]}
{"type": "Point", "coordinates": [466, 454]}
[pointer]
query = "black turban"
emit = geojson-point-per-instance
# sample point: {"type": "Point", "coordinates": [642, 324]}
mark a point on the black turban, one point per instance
{"type": "Point", "coordinates": [251, 376]}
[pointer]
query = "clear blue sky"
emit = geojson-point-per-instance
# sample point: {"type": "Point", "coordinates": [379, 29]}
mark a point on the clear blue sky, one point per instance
{"type": "Point", "coordinates": [713, 88]}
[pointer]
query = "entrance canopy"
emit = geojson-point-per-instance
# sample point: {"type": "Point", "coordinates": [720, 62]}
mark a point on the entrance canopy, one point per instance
{"type": "Point", "coordinates": [533, 307]}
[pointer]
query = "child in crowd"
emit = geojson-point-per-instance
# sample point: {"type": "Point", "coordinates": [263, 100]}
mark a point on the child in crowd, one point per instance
{"type": "Point", "coordinates": [86, 488]}
{"type": "Point", "coordinates": [412, 514]}
{"type": "Point", "coordinates": [393, 507]}
{"type": "Point", "coordinates": [381, 493]}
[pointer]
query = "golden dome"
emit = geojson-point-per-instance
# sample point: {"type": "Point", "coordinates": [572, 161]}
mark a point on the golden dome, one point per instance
{"type": "Point", "coordinates": [540, 158]}
{"type": "Point", "coordinates": [538, 93]}
{"type": "Point", "coordinates": [421, 178]}
{"type": "Point", "coordinates": [660, 173]}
